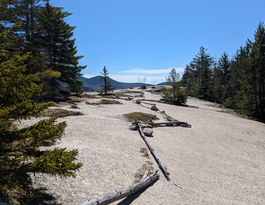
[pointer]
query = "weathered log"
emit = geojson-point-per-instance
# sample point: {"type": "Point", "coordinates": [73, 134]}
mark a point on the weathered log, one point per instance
{"type": "Point", "coordinates": [172, 120]}
{"type": "Point", "coordinates": [148, 103]}
{"type": "Point", "coordinates": [116, 195]}
{"type": "Point", "coordinates": [160, 163]}
{"type": "Point", "coordinates": [173, 123]}
{"type": "Point", "coordinates": [145, 175]}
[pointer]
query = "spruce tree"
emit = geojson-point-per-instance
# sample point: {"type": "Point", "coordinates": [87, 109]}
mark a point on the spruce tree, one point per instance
{"type": "Point", "coordinates": [257, 70]}
{"type": "Point", "coordinates": [189, 81]}
{"type": "Point", "coordinates": [19, 147]}
{"type": "Point", "coordinates": [201, 69]}
{"type": "Point", "coordinates": [55, 38]}
{"type": "Point", "coordinates": [106, 84]}
{"type": "Point", "coordinates": [203, 62]}
{"type": "Point", "coordinates": [221, 78]}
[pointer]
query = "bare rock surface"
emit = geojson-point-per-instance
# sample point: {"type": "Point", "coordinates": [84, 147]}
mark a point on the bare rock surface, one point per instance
{"type": "Point", "coordinates": [220, 160]}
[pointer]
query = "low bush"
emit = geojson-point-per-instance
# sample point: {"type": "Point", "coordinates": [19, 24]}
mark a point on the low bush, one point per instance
{"type": "Point", "coordinates": [143, 87]}
{"type": "Point", "coordinates": [176, 96]}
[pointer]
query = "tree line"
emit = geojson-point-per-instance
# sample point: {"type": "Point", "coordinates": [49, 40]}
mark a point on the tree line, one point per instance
{"type": "Point", "coordinates": [237, 83]}
{"type": "Point", "coordinates": [39, 29]}
{"type": "Point", "coordinates": [37, 55]}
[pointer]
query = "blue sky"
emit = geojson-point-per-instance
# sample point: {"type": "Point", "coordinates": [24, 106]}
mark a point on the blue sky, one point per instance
{"type": "Point", "coordinates": [147, 38]}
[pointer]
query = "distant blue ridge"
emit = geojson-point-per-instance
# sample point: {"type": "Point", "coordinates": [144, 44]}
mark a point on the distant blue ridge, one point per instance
{"type": "Point", "coordinates": [93, 84]}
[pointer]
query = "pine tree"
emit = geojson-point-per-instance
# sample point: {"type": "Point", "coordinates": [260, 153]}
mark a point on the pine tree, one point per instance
{"type": "Point", "coordinates": [201, 70]}
{"type": "Point", "coordinates": [257, 70]}
{"type": "Point", "coordinates": [10, 39]}
{"type": "Point", "coordinates": [55, 38]}
{"type": "Point", "coordinates": [106, 83]}
{"type": "Point", "coordinates": [203, 62]}
{"type": "Point", "coordinates": [221, 78]}
{"type": "Point", "coordinates": [19, 148]}
{"type": "Point", "coordinates": [189, 81]}
{"type": "Point", "coordinates": [174, 94]}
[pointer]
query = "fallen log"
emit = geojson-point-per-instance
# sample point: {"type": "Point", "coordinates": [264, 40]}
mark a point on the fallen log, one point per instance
{"type": "Point", "coordinates": [148, 103]}
{"type": "Point", "coordinates": [173, 123]}
{"type": "Point", "coordinates": [116, 195]}
{"type": "Point", "coordinates": [160, 163]}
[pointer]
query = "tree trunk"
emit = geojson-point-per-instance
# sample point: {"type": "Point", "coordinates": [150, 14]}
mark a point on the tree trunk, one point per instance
{"type": "Point", "coordinates": [161, 164]}
{"type": "Point", "coordinates": [116, 195]}
{"type": "Point", "coordinates": [173, 123]}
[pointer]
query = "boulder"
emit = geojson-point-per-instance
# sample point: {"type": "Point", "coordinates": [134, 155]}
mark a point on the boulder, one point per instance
{"type": "Point", "coordinates": [148, 131]}
{"type": "Point", "coordinates": [154, 108]}
{"type": "Point", "coordinates": [133, 127]}
{"type": "Point", "coordinates": [138, 101]}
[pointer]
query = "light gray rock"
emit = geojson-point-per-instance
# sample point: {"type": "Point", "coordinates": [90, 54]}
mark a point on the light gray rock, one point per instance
{"type": "Point", "coordinates": [133, 127]}
{"type": "Point", "coordinates": [148, 131]}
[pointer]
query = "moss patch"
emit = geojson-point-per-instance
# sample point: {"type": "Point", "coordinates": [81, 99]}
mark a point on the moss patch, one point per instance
{"type": "Point", "coordinates": [58, 112]}
{"type": "Point", "coordinates": [139, 116]}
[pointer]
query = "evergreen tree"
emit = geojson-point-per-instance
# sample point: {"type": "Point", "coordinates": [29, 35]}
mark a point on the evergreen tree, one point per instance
{"type": "Point", "coordinates": [174, 94]}
{"type": "Point", "coordinates": [10, 39]}
{"type": "Point", "coordinates": [238, 95]}
{"type": "Point", "coordinates": [106, 83]}
{"type": "Point", "coordinates": [55, 38]}
{"type": "Point", "coordinates": [189, 81]}
{"type": "Point", "coordinates": [221, 78]}
{"type": "Point", "coordinates": [19, 148]}
{"type": "Point", "coordinates": [202, 63]}
{"type": "Point", "coordinates": [257, 71]}
{"type": "Point", "coordinates": [198, 76]}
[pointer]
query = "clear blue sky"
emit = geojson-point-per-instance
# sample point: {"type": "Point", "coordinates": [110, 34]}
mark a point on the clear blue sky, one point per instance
{"type": "Point", "coordinates": [137, 38]}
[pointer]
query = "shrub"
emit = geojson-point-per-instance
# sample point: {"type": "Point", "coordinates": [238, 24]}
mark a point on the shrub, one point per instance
{"type": "Point", "coordinates": [143, 87]}
{"type": "Point", "coordinates": [177, 96]}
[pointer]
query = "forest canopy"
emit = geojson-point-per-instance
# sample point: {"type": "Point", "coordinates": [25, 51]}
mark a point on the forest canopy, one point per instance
{"type": "Point", "coordinates": [237, 83]}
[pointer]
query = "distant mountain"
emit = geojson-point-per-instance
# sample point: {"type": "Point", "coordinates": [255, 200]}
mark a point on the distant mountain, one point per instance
{"type": "Point", "coordinates": [164, 83]}
{"type": "Point", "coordinates": [93, 84]}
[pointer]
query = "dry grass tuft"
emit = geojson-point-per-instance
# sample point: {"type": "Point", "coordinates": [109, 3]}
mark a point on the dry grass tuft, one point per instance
{"type": "Point", "coordinates": [140, 172]}
{"type": "Point", "coordinates": [144, 152]}
{"type": "Point", "coordinates": [58, 112]}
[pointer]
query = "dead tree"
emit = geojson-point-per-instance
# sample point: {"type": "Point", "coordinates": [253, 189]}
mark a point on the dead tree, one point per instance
{"type": "Point", "coordinates": [117, 195]}
{"type": "Point", "coordinates": [160, 163]}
